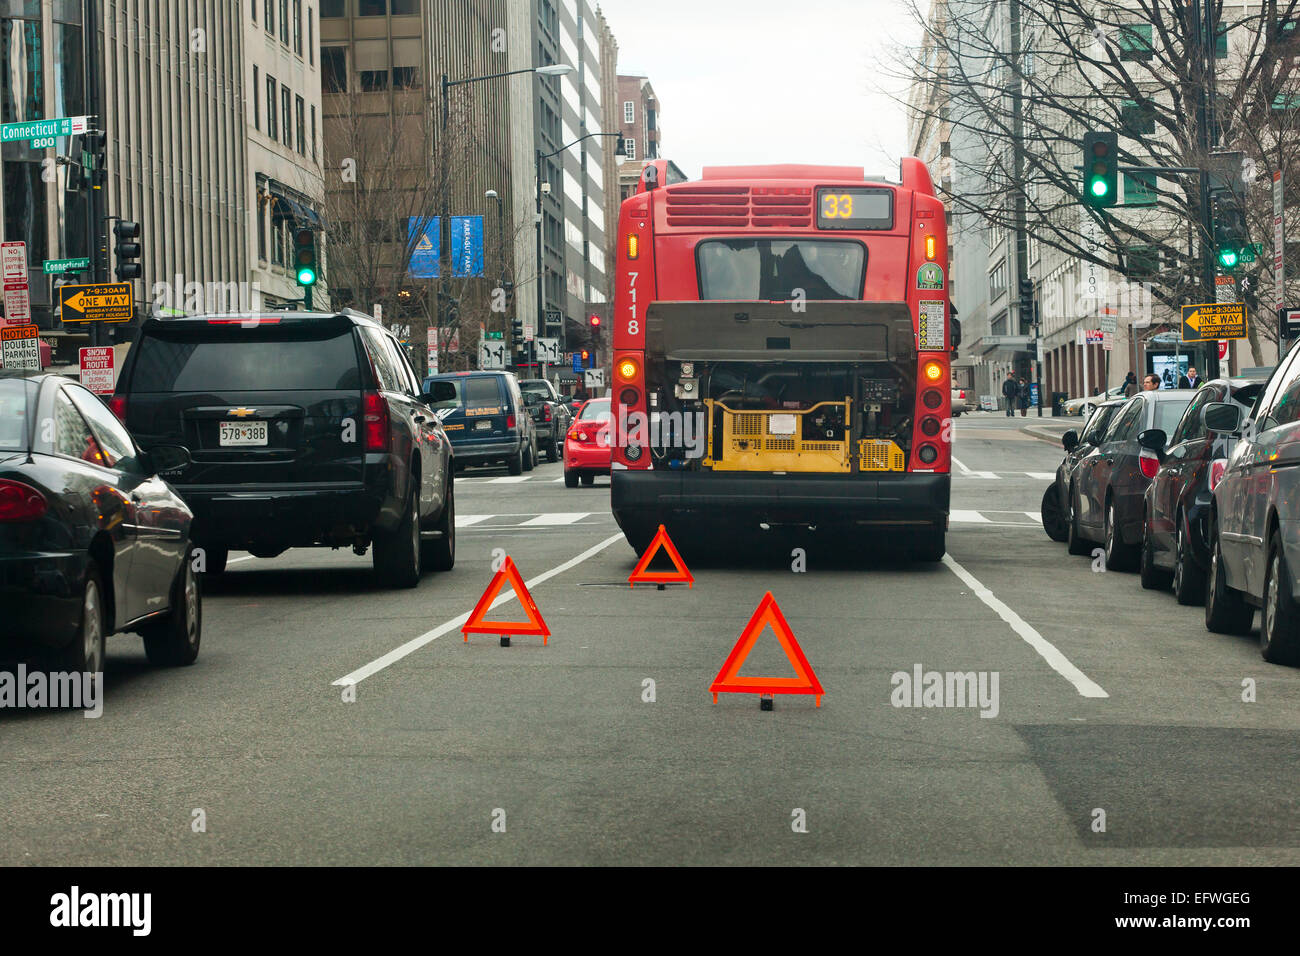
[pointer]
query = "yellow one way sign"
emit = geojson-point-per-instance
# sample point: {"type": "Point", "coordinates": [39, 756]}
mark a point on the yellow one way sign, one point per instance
{"type": "Point", "coordinates": [1214, 320]}
{"type": "Point", "coordinates": [106, 302]}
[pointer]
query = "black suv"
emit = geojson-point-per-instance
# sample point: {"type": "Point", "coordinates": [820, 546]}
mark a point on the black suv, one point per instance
{"type": "Point", "coordinates": [551, 415]}
{"type": "Point", "coordinates": [304, 429]}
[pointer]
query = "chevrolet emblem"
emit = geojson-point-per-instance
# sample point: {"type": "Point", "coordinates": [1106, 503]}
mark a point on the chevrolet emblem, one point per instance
{"type": "Point", "coordinates": [241, 412]}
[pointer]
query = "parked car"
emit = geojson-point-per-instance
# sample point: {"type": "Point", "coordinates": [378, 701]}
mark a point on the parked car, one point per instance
{"type": "Point", "coordinates": [587, 445]}
{"type": "Point", "coordinates": [1055, 506]}
{"type": "Point", "coordinates": [1085, 404]}
{"type": "Point", "coordinates": [1254, 550]}
{"type": "Point", "coordinates": [92, 540]}
{"type": "Point", "coordinates": [485, 417]}
{"type": "Point", "coordinates": [305, 429]}
{"type": "Point", "coordinates": [551, 415]}
{"type": "Point", "coordinates": [963, 400]}
{"type": "Point", "coordinates": [1175, 549]}
{"type": "Point", "coordinates": [1107, 486]}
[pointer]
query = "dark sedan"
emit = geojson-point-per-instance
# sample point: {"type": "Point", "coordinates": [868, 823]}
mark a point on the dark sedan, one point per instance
{"type": "Point", "coordinates": [1107, 487]}
{"type": "Point", "coordinates": [92, 540]}
{"type": "Point", "coordinates": [1175, 548]}
{"type": "Point", "coordinates": [1055, 506]}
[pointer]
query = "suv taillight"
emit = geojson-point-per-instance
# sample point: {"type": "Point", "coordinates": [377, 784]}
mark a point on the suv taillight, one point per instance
{"type": "Point", "coordinates": [376, 421]}
{"type": "Point", "coordinates": [117, 405]}
{"type": "Point", "coordinates": [510, 421]}
{"type": "Point", "coordinates": [19, 502]}
{"type": "Point", "coordinates": [546, 413]}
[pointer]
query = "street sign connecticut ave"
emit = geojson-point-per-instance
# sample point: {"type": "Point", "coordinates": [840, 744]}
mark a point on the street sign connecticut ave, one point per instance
{"type": "Point", "coordinates": [1214, 320]}
{"type": "Point", "coordinates": [42, 132]}
{"type": "Point", "coordinates": [107, 302]}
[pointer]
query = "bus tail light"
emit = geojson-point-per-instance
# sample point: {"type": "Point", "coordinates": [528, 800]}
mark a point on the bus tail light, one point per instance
{"type": "Point", "coordinates": [930, 426]}
{"type": "Point", "coordinates": [930, 246]}
{"type": "Point", "coordinates": [932, 399]}
{"type": "Point", "coordinates": [933, 372]}
{"type": "Point", "coordinates": [376, 421]}
{"type": "Point", "coordinates": [928, 454]}
{"type": "Point", "coordinates": [628, 369]}
{"type": "Point", "coordinates": [1217, 468]}
{"type": "Point", "coordinates": [631, 245]}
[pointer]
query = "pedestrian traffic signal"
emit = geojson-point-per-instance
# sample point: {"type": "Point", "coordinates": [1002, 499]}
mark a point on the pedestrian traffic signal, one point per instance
{"type": "Point", "coordinates": [1230, 235]}
{"type": "Point", "coordinates": [127, 249]}
{"type": "Point", "coordinates": [1100, 169]}
{"type": "Point", "coordinates": [304, 256]}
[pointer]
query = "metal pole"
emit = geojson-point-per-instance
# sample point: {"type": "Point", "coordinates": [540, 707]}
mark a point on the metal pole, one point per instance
{"type": "Point", "coordinates": [98, 232]}
{"type": "Point", "coordinates": [444, 223]}
{"type": "Point", "coordinates": [531, 350]}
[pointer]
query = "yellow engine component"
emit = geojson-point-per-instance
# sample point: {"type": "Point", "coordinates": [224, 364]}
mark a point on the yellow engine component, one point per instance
{"type": "Point", "coordinates": [880, 454]}
{"type": "Point", "coordinates": [753, 441]}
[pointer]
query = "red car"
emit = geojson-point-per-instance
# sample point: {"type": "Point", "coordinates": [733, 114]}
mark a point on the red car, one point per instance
{"type": "Point", "coordinates": [586, 446]}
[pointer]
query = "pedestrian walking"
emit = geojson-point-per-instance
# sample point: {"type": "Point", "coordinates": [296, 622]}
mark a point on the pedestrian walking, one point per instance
{"type": "Point", "coordinates": [1130, 385]}
{"type": "Point", "coordinates": [1022, 394]}
{"type": "Point", "coordinates": [1010, 391]}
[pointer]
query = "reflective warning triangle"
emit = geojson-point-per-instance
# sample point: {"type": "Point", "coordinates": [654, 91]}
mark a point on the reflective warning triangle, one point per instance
{"type": "Point", "coordinates": [477, 624]}
{"type": "Point", "coordinates": [640, 575]}
{"type": "Point", "coordinates": [728, 679]}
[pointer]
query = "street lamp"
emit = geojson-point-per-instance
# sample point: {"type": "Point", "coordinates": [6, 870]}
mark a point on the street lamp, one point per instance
{"type": "Point", "coordinates": [541, 272]}
{"type": "Point", "coordinates": [501, 244]}
{"type": "Point", "coordinates": [444, 221]}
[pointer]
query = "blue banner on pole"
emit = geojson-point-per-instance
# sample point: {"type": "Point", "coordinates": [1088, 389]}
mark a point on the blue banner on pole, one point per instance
{"type": "Point", "coordinates": [422, 232]}
{"type": "Point", "coordinates": [467, 245]}
{"type": "Point", "coordinates": [577, 361]}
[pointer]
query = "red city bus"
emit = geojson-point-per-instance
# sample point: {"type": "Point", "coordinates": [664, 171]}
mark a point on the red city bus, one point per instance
{"type": "Point", "coordinates": [781, 342]}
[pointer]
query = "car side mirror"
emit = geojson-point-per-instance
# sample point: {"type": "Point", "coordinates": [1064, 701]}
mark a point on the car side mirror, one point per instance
{"type": "Point", "coordinates": [164, 460]}
{"type": "Point", "coordinates": [1221, 417]}
{"type": "Point", "coordinates": [1070, 440]}
{"type": "Point", "coordinates": [1153, 439]}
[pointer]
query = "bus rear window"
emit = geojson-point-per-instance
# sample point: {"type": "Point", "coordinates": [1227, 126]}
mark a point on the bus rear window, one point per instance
{"type": "Point", "coordinates": [780, 269]}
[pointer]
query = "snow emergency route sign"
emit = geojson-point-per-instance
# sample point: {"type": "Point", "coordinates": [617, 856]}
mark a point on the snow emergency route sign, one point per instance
{"type": "Point", "coordinates": [107, 302]}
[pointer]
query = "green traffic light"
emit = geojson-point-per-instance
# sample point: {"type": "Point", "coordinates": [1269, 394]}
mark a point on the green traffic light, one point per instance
{"type": "Point", "coordinates": [1099, 187]}
{"type": "Point", "coordinates": [306, 276]}
{"type": "Point", "coordinates": [1227, 258]}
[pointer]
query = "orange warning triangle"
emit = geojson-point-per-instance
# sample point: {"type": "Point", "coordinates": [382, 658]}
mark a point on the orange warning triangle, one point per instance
{"type": "Point", "coordinates": [640, 575]}
{"type": "Point", "coordinates": [477, 624]}
{"type": "Point", "coordinates": [728, 679]}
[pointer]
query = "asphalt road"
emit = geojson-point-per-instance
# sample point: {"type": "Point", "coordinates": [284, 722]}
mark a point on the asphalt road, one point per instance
{"type": "Point", "coordinates": [1109, 699]}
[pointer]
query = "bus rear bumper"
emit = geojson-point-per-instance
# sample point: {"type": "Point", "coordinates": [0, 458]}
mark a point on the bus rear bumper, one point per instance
{"type": "Point", "coordinates": [643, 500]}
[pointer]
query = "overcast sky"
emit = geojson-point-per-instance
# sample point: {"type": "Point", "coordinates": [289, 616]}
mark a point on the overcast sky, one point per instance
{"type": "Point", "coordinates": [764, 81]}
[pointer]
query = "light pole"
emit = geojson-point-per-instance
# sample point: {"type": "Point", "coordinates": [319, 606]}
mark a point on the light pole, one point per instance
{"type": "Point", "coordinates": [444, 220]}
{"type": "Point", "coordinates": [541, 272]}
{"type": "Point", "coordinates": [501, 246]}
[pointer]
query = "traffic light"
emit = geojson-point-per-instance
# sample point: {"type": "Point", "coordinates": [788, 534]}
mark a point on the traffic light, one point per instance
{"type": "Point", "coordinates": [1230, 235]}
{"type": "Point", "coordinates": [1100, 169]}
{"type": "Point", "coordinates": [517, 330]}
{"type": "Point", "coordinates": [94, 153]}
{"type": "Point", "coordinates": [586, 359]}
{"type": "Point", "coordinates": [595, 324]}
{"type": "Point", "coordinates": [127, 249]}
{"type": "Point", "coordinates": [1026, 300]}
{"type": "Point", "coordinates": [304, 256]}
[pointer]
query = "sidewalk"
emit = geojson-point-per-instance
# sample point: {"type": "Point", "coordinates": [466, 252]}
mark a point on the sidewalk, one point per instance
{"type": "Point", "coordinates": [1051, 429]}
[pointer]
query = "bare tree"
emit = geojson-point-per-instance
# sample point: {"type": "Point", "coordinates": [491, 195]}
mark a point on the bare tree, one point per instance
{"type": "Point", "coordinates": [1026, 97]}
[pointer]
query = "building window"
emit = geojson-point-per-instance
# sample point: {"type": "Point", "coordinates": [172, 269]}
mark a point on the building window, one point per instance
{"type": "Point", "coordinates": [372, 81]}
{"type": "Point", "coordinates": [313, 134]}
{"type": "Point", "coordinates": [311, 37]}
{"type": "Point", "coordinates": [629, 111]}
{"type": "Point", "coordinates": [1221, 42]}
{"type": "Point", "coordinates": [372, 8]}
{"type": "Point", "coordinates": [278, 240]}
{"type": "Point", "coordinates": [257, 100]}
{"type": "Point", "coordinates": [300, 118]}
{"type": "Point", "coordinates": [253, 4]}
{"type": "Point", "coordinates": [405, 8]}
{"type": "Point", "coordinates": [268, 21]}
{"type": "Point", "coordinates": [998, 280]}
{"type": "Point", "coordinates": [372, 64]}
{"type": "Point", "coordinates": [1139, 189]}
{"type": "Point", "coordinates": [629, 148]}
{"type": "Point", "coordinates": [334, 69]}
{"type": "Point", "coordinates": [284, 22]}
{"type": "Point", "coordinates": [261, 226]}
{"type": "Point", "coordinates": [1143, 261]}
{"type": "Point", "coordinates": [330, 9]}
{"type": "Point", "coordinates": [1138, 118]}
{"type": "Point", "coordinates": [406, 60]}
{"type": "Point", "coordinates": [297, 27]}
{"type": "Point", "coordinates": [271, 129]}
{"type": "Point", "coordinates": [1135, 42]}
{"type": "Point", "coordinates": [286, 104]}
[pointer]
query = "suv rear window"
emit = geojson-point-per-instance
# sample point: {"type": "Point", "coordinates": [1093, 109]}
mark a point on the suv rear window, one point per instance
{"type": "Point", "coordinates": [234, 359]}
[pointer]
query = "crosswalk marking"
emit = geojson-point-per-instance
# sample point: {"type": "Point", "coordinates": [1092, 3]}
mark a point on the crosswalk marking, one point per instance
{"type": "Point", "coordinates": [508, 479]}
{"type": "Point", "coordinates": [464, 521]}
{"type": "Point", "coordinates": [1035, 515]}
{"type": "Point", "coordinates": [1042, 475]}
{"type": "Point", "coordinates": [967, 517]}
{"type": "Point", "coordinates": [554, 518]}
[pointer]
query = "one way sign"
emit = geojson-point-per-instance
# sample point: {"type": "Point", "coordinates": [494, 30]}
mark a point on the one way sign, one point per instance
{"type": "Point", "coordinates": [1214, 320]}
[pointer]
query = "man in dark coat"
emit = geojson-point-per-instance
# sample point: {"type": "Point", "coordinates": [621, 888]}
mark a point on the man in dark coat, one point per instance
{"type": "Point", "coordinates": [1010, 392]}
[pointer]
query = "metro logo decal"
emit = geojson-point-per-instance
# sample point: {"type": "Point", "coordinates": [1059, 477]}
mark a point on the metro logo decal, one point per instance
{"type": "Point", "coordinates": [929, 276]}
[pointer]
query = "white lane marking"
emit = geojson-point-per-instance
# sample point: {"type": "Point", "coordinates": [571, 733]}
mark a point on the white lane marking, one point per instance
{"type": "Point", "coordinates": [555, 517]}
{"type": "Point", "coordinates": [1045, 648]}
{"type": "Point", "coordinates": [967, 517]}
{"type": "Point", "coordinates": [1035, 515]}
{"type": "Point", "coordinates": [955, 461]}
{"type": "Point", "coordinates": [464, 521]}
{"type": "Point", "coordinates": [413, 645]}
{"type": "Point", "coordinates": [1042, 475]}
{"type": "Point", "coordinates": [508, 480]}
{"type": "Point", "coordinates": [980, 474]}
{"type": "Point", "coordinates": [247, 557]}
